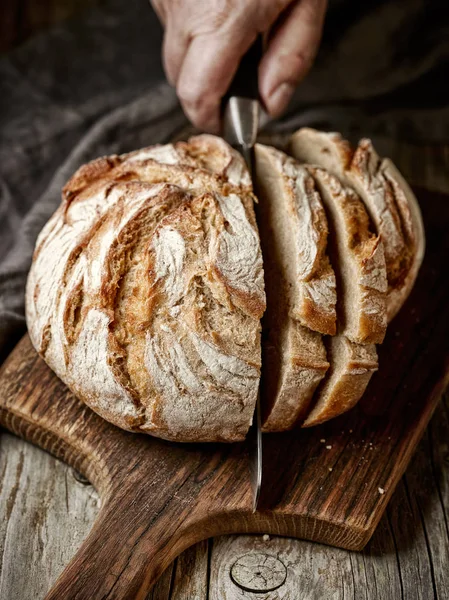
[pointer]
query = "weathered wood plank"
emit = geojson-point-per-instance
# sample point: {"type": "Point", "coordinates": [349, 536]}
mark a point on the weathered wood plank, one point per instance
{"type": "Point", "coordinates": [162, 589]}
{"type": "Point", "coordinates": [45, 514]}
{"type": "Point", "coordinates": [278, 569]}
{"type": "Point", "coordinates": [408, 556]}
{"type": "Point", "coordinates": [191, 573]}
{"type": "Point", "coordinates": [412, 568]}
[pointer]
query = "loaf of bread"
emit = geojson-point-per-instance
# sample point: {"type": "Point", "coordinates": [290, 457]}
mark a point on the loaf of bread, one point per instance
{"type": "Point", "coordinates": [294, 229]}
{"type": "Point", "coordinates": [146, 295]}
{"type": "Point", "coordinates": [147, 289]}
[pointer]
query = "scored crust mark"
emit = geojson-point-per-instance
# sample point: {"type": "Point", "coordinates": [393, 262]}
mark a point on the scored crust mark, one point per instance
{"type": "Point", "coordinates": [383, 190]}
{"type": "Point", "coordinates": [63, 243]}
{"type": "Point", "coordinates": [204, 385]}
{"type": "Point", "coordinates": [146, 290]}
{"type": "Point", "coordinates": [298, 230]}
{"type": "Point", "coordinates": [351, 368]}
{"type": "Point", "coordinates": [216, 156]}
{"type": "Point", "coordinates": [359, 262]}
{"type": "Point", "coordinates": [235, 257]}
{"type": "Point", "coordinates": [203, 163]}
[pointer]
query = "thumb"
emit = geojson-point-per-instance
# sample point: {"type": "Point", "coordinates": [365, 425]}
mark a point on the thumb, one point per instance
{"type": "Point", "coordinates": [290, 53]}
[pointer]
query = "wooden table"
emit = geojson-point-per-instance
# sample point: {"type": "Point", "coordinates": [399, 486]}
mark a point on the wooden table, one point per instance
{"type": "Point", "coordinates": [46, 511]}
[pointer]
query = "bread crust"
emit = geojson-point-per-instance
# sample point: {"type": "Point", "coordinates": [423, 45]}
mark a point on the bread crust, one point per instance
{"type": "Point", "coordinates": [359, 262]}
{"type": "Point", "coordinates": [351, 368]}
{"type": "Point", "coordinates": [284, 186]}
{"type": "Point", "coordinates": [146, 291]}
{"type": "Point", "coordinates": [388, 199]}
{"type": "Point", "coordinates": [147, 286]}
{"type": "Point", "coordinates": [414, 232]}
{"type": "Point", "coordinates": [294, 364]}
{"type": "Point", "coordinates": [300, 288]}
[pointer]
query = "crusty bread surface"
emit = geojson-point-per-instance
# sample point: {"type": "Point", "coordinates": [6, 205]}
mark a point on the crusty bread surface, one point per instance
{"type": "Point", "coordinates": [351, 368]}
{"type": "Point", "coordinates": [359, 262]}
{"type": "Point", "coordinates": [146, 291]}
{"type": "Point", "coordinates": [387, 197]}
{"type": "Point", "coordinates": [300, 288]}
{"type": "Point", "coordinates": [292, 208]}
{"type": "Point", "coordinates": [146, 295]}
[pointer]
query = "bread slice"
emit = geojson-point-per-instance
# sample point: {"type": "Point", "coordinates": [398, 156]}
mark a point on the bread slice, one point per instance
{"type": "Point", "coordinates": [293, 356]}
{"type": "Point", "coordinates": [351, 368]}
{"type": "Point", "coordinates": [390, 202]}
{"type": "Point", "coordinates": [146, 291]}
{"type": "Point", "coordinates": [291, 205]}
{"type": "Point", "coordinates": [359, 262]}
{"type": "Point", "coordinates": [293, 231]}
{"type": "Point", "coordinates": [413, 229]}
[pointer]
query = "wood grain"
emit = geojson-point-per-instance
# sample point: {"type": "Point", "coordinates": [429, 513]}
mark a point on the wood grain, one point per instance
{"type": "Point", "coordinates": [390, 560]}
{"type": "Point", "coordinates": [159, 498]}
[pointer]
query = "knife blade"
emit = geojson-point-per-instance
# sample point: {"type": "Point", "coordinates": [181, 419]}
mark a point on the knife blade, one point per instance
{"type": "Point", "coordinates": [241, 124]}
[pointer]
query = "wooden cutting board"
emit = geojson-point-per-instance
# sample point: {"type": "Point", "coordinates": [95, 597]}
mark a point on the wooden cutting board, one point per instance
{"type": "Point", "coordinates": [328, 484]}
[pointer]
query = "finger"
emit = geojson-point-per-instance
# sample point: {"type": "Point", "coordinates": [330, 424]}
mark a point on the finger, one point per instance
{"type": "Point", "coordinates": [159, 9]}
{"type": "Point", "coordinates": [207, 71]}
{"type": "Point", "coordinates": [290, 53]}
{"type": "Point", "coordinates": [175, 46]}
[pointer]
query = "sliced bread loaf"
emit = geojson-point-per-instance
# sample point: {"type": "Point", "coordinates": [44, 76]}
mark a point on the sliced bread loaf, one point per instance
{"type": "Point", "coordinates": [358, 259]}
{"type": "Point", "coordinates": [292, 208]}
{"type": "Point", "coordinates": [145, 297]}
{"type": "Point", "coordinates": [293, 230]}
{"type": "Point", "coordinates": [383, 191]}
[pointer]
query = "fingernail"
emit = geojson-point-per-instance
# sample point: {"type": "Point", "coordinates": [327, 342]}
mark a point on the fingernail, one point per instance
{"type": "Point", "coordinates": [279, 99]}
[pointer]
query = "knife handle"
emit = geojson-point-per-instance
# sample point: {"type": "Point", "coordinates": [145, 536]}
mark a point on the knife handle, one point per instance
{"type": "Point", "coordinates": [246, 82]}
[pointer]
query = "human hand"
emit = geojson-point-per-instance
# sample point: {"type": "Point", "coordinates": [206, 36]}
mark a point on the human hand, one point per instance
{"type": "Point", "coordinates": [204, 42]}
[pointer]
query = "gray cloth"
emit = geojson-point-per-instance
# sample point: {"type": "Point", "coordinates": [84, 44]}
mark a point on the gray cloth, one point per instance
{"type": "Point", "coordinates": [95, 86]}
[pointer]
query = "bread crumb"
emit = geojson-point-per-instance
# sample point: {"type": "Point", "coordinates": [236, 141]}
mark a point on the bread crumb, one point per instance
{"type": "Point", "coordinates": [381, 490]}
{"type": "Point", "coordinates": [350, 431]}
{"type": "Point", "coordinates": [330, 468]}
{"type": "Point", "coordinates": [266, 537]}
{"type": "Point", "coordinates": [328, 447]}
{"type": "Point", "coordinates": [323, 441]}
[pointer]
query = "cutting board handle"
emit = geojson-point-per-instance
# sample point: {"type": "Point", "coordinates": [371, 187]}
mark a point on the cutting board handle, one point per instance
{"type": "Point", "coordinates": [158, 498]}
{"type": "Point", "coordinates": [125, 552]}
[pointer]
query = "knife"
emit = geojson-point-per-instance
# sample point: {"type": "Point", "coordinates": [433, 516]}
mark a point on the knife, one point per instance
{"type": "Point", "coordinates": [241, 109]}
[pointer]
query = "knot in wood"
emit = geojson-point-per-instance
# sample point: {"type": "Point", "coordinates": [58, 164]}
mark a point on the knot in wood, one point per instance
{"type": "Point", "coordinates": [80, 478]}
{"type": "Point", "coordinates": [258, 572]}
